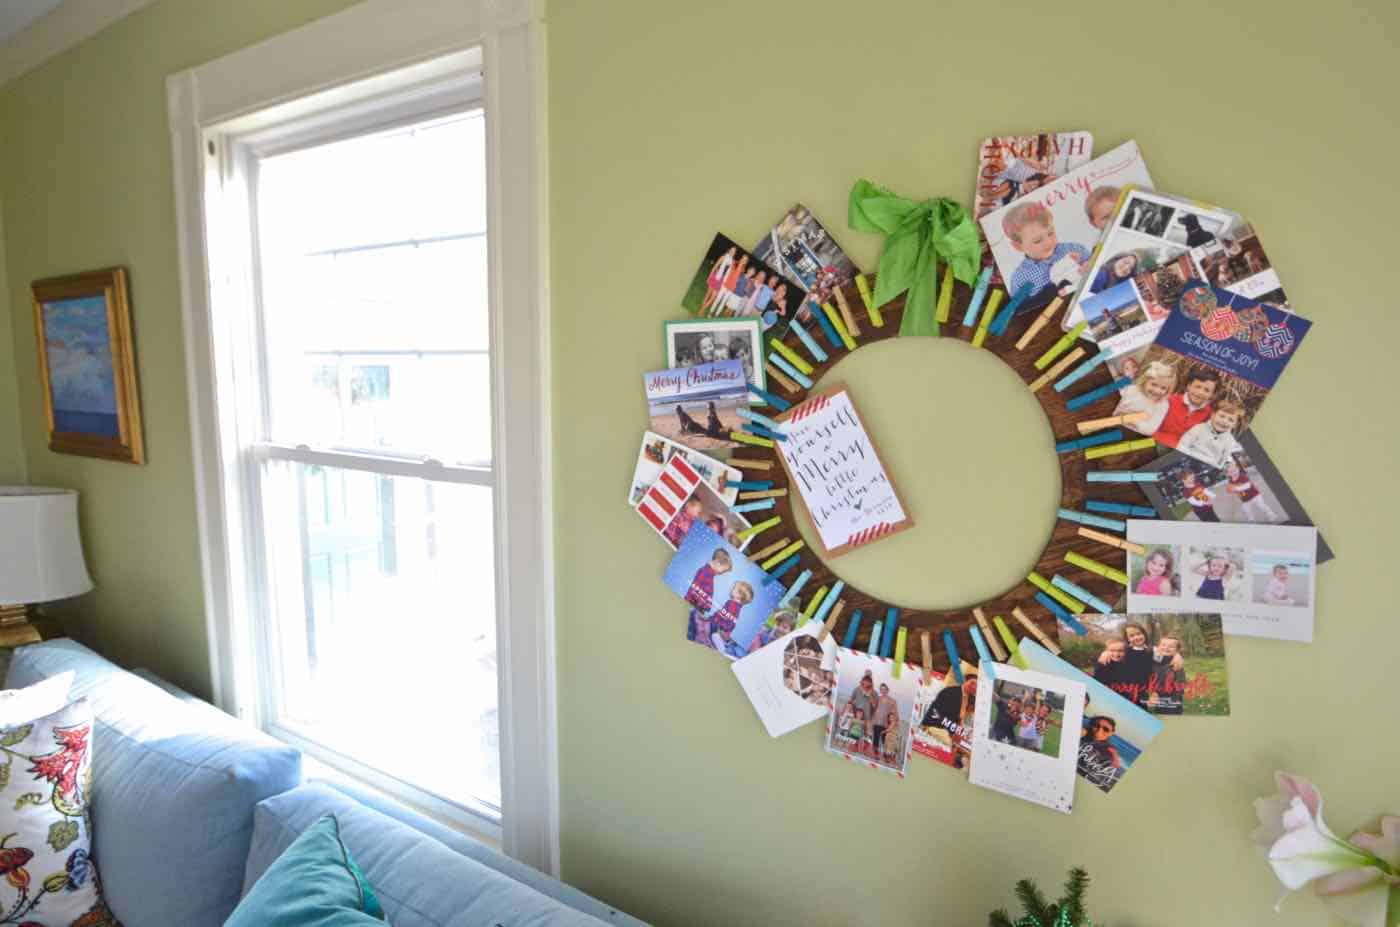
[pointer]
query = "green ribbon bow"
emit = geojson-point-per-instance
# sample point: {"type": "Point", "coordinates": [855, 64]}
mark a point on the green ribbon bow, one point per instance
{"type": "Point", "coordinates": [916, 232]}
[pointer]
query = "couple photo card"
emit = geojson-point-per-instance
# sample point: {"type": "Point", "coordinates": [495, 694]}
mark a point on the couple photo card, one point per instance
{"type": "Point", "coordinates": [698, 406]}
{"type": "Point", "coordinates": [1025, 735]}
{"type": "Point", "coordinates": [1168, 663]}
{"type": "Point", "coordinates": [732, 283]}
{"type": "Point", "coordinates": [791, 679]}
{"type": "Point", "coordinates": [730, 598]}
{"type": "Point", "coordinates": [656, 452]}
{"type": "Point", "coordinates": [873, 711]}
{"type": "Point", "coordinates": [1260, 578]}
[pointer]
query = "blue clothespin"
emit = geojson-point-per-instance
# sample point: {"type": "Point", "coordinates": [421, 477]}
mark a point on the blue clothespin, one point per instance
{"type": "Point", "coordinates": [758, 506]}
{"type": "Point", "coordinates": [1094, 395]}
{"type": "Point", "coordinates": [851, 630]}
{"type": "Point", "coordinates": [758, 418]}
{"type": "Point", "coordinates": [979, 293]}
{"type": "Point", "coordinates": [983, 655]}
{"type": "Point", "coordinates": [1062, 613]}
{"type": "Point", "coordinates": [1082, 594]}
{"type": "Point", "coordinates": [1119, 476]}
{"type": "Point", "coordinates": [1003, 319]}
{"type": "Point", "coordinates": [953, 660]}
{"type": "Point", "coordinates": [1095, 521]}
{"type": "Point", "coordinates": [796, 587]}
{"type": "Point", "coordinates": [891, 622]}
{"type": "Point", "coordinates": [777, 402]}
{"type": "Point", "coordinates": [873, 648]}
{"type": "Point", "coordinates": [809, 341]}
{"type": "Point", "coordinates": [762, 432]}
{"type": "Point", "coordinates": [802, 379]}
{"type": "Point", "coordinates": [1078, 444]}
{"type": "Point", "coordinates": [783, 567]}
{"type": "Point", "coordinates": [752, 484]}
{"type": "Point", "coordinates": [828, 332]}
{"type": "Point", "coordinates": [1079, 372]}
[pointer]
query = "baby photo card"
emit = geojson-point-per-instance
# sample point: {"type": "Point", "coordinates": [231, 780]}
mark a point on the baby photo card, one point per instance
{"type": "Point", "coordinates": [1167, 663]}
{"type": "Point", "coordinates": [1114, 731]}
{"type": "Point", "coordinates": [1025, 736]}
{"type": "Point", "coordinates": [656, 452]}
{"type": "Point", "coordinates": [790, 679]}
{"type": "Point", "coordinates": [1212, 364]}
{"type": "Point", "coordinates": [837, 471]}
{"type": "Point", "coordinates": [943, 730]}
{"type": "Point", "coordinates": [698, 406]}
{"type": "Point", "coordinates": [732, 283]}
{"type": "Point", "coordinates": [808, 257]}
{"type": "Point", "coordinates": [1046, 237]}
{"type": "Point", "coordinates": [1260, 578]}
{"type": "Point", "coordinates": [1248, 490]}
{"type": "Point", "coordinates": [730, 598]}
{"type": "Point", "coordinates": [873, 711]}
{"type": "Point", "coordinates": [679, 498]}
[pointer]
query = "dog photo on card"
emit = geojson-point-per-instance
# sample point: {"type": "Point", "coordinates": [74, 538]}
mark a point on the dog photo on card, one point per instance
{"type": "Point", "coordinates": [873, 711]}
{"type": "Point", "coordinates": [1025, 736]}
{"type": "Point", "coordinates": [730, 598]}
{"type": "Point", "coordinates": [790, 675]}
{"type": "Point", "coordinates": [698, 406]}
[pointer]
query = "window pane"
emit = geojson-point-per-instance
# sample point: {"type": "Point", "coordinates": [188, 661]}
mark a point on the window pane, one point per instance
{"type": "Point", "coordinates": [384, 626]}
{"type": "Point", "coordinates": [374, 264]}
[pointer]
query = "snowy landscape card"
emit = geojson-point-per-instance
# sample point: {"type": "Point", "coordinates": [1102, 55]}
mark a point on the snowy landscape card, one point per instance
{"type": "Point", "coordinates": [1025, 736]}
{"type": "Point", "coordinates": [790, 680]}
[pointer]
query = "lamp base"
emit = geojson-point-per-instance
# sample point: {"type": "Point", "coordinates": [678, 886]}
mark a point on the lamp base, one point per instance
{"type": "Point", "coordinates": [13, 614]}
{"type": "Point", "coordinates": [15, 629]}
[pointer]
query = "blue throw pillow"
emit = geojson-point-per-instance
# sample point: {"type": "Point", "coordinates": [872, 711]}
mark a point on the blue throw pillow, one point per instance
{"type": "Point", "coordinates": [314, 883]}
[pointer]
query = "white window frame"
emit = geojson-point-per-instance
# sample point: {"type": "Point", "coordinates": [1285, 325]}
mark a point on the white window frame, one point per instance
{"type": "Point", "coordinates": [369, 52]}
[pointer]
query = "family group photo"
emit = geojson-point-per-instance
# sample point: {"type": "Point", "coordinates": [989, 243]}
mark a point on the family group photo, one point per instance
{"type": "Point", "coordinates": [803, 673]}
{"type": "Point", "coordinates": [689, 344]}
{"type": "Point", "coordinates": [1189, 405]}
{"type": "Point", "coordinates": [1027, 717]}
{"type": "Point", "coordinates": [732, 283]}
{"type": "Point", "coordinates": [873, 711]}
{"type": "Point", "coordinates": [1166, 663]}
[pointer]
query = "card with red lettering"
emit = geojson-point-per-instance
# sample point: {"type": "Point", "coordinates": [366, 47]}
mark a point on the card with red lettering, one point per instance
{"type": "Point", "coordinates": [1010, 166]}
{"type": "Point", "coordinates": [698, 406]}
{"type": "Point", "coordinates": [1044, 238]}
{"type": "Point", "coordinates": [1114, 731]}
{"type": "Point", "coordinates": [1167, 663]}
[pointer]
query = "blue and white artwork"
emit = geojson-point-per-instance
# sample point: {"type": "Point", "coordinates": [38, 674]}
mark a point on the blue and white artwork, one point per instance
{"type": "Point", "coordinates": [82, 383]}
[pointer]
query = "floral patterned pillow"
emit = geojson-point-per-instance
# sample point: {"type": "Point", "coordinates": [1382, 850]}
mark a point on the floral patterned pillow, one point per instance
{"type": "Point", "coordinates": [47, 876]}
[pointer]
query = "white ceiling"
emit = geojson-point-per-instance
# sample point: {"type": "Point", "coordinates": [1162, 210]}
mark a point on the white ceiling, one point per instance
{"type": "Point", "coordinates": [16, 14]}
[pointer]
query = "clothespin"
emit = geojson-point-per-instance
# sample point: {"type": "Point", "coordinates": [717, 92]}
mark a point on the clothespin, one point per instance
{"type": "Point", "coordinates": [769, 494]}
{"type": "Point", "coordinates": [852, 326]}
{"type": "Point", "coordinates": [871, 309]}
{"type": "Point", "coordinates": [808, 341]}
{"type": "Point", "coordinates": [1094, 395]}
{"type": "Point", "coordinates": [782, 378]}
{"type": "Point", "coordinates": [1078, 373]}
{"type": "Point", "coordinates": [758, 418]}
{"type": "Point", "coordinates": [1119, 476]}
{"type": "Point", "coordinates": [945, 295]}
{"type": "Point", "coordinates": [751, 530]}
{"type": "Point", "coordinates": [770, 549]}
{"type": "Point", "coordinates": [851, 630]}
{"type": "Point", "coordinates": [1122, 447]}
{"type": "Point", "coordinates": [1040, 322]}
{"type": "Point", "coordinates": [1035, 631]}
{"type": "Point", "coordinates": [952, 650]}
{"type": "Point", "coordinates": [752, 506]}
{"type": "Point", "coordinates": [1094, 566]}
{"type": "Point", "coordinates": [1010, 641]}
{"type": "Point", "coordinates": [762, 432]}
{"type": "Point", "coordinates": [984, 659]}
{"type": "Point", "coordinates": [1058, 610]}
{"type": "Point", "coordinates": [796, 587]}
{"type": "Point", "coordinates": [743, 437]}
{"type": "Point", "coordinates": [1097, 521]}
{"type": "Point", "coordinates": [783, 567]}
{"type": "Point", "coordinates": [1084, 595]}
{"type": "Point", "coordinates": [987, 631]}
{"type": "Point", "coordinates": [1059, 596]}
{"type": "Point", "coordinates": [1003, 319]}
{"type": "Point", "coordinates": [928, 656]}
{"type": "Point", "coordinates": [899, 643]}
{"type": "Point", "coordinates": [873, 648]}
{"type": "Point", "coordinates": [891, 622]}
{"type": "Point", "coordinates": [777, 402]}
{"type": "Point", "coordinates": [979, 293]}
{"type": "Point", "coordinates": [828, 332]}
{"type": "Point", "coordinates": [830, 624]}
{"type": "Point", "coordinates": [1097, 424]}
{"type": "Point", "coordinates": [981, 334]}
{"type": "Point", "coordinates": [783, 554]}
{"type": "Point", "coordinates": [839, 326]}
{"type": "Point", "coordinates": [1111, 541]}
{"type": "Point", "coordinates": [803, 381]}
{"type": "Point", "coordinates": [813, 604]}
{"type": "Point", "coordinates": [1118, 508]}
{"type": "Point", "coordinates": [752, 484]}
{"type": "Point", "coordinates": [791, 356]}
{"type": "Point", "coordinates": [1079, 444]}
{"type": "Point", "coordinates": [1061, 346]}
{"type": "Point", "coordinates": [831, 598]}
{"type": "Point", "coordinates": [1054, 371]}
{"type": "Point", "coordinates": [748, 463]}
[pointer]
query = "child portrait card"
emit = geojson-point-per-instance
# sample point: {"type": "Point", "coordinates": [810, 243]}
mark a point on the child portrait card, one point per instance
{"type": "Point", "coordinates": [730, 598]}
{"type": "Point", "coordinates": [832, 461]}
{"type": "Point", "coordinates": [656, 452]}
{"type": "Point", "coordinates": [873, 711]}
{"type": "Point", "coordinates": [802, 250]}
{"type": "Point", "coordinates": [1025, 736]}
{"type": "Point", "coordinates": [1046, 237]}
{"type": "Point", "coordinates": [1167, 663]}
{"type": "Point", "coordinates": [1114, 731]}
{"type": "Point", "coordinates": [679, 498]}
{"type": "Point", "coordinates": [732, 283]}
{"type": "Point", "coordinates": [790, 680]}
{"type": "Point", "coordinates": [698, 406]}
{"type": "Point", "coordinates": [1260, 578]}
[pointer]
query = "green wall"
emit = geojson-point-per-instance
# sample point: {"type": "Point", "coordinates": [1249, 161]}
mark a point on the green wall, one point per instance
{"type": "Point", "coordinates": [11, 437]}
{"type": "Point", "coordinates": [85, 182]}
{"type": "Point", "coordinates": [670, 121]}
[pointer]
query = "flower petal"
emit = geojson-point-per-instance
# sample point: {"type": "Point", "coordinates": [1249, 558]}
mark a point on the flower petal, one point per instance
{"type": "Point", "coordinates": [1348, 880]}
{"type": "Point", "coordinates": [1385, 845]}
{"type": "Point", "coordinates": [1364, 908]}
{"type": "Point", "coordinates": [1270, 812]}
{"type": "Point", "coordinates": [1308, 853]}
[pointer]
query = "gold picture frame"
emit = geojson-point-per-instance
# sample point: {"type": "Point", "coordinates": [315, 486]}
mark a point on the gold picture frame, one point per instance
{"type": "Point", "coordinates": [87, 365]}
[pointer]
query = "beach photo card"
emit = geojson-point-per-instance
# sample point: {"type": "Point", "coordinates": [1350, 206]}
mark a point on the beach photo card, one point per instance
{"type": "Point", "coordinates": [732, 283]}
{"type": "Point", "coordinates": [707, 341]}
{"type": "Point", "coordinates": [791, 678]}
{"type": "Point", "coordinates": [943, 730]}
{"type": "Point", "coordinates": [1249, 489]}
{"type": "Point", "coordinates": [730, 598]}
{"type": "Point", "coordinates": [832, 462]}
{"type": "Point", "coordinates": [1166, 663]}
{"type": "Point", "coordinates": [1114, 731]}
{"type": "Point", "coordinates": [1214, 361]}
{"type": "Point", "coordinates": [679, 498]}
{"type": "Point", "coordinates": [1025, 736]}
{"type": "Point", "coordinates": [1260, 578]}
{"type": "Point", "coordinates": [1046, 237]}
{"type": "Point", "coordinates": [873, 711]}
{"type": "Point", "coordinates": [698, 406]}
{"type": "Point", "coordinates": [656, 452]}
{"type": "Point", "coordinates": [802, 250]}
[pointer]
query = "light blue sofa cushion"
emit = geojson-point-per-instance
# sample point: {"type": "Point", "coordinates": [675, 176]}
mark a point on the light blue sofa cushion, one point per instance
{"type": "Point", "coordinates": [419, 881]}
{"type": "Point", "coordinates": [173, 790]}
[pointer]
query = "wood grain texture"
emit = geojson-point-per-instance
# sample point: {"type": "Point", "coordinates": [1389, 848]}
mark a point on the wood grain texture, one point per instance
{"type": "Point", "coordinates": [1074, 489]}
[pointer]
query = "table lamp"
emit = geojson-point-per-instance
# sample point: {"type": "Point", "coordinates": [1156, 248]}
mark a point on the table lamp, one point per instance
{"type": "Point", "coordinates": [41, 555]}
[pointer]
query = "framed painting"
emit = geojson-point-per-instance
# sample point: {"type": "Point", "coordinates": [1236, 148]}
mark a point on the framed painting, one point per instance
{"type": "Point", "coordinates": [87, 365]}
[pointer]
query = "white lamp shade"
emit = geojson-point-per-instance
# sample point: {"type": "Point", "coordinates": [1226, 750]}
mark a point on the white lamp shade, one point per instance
{"type": "Point", "coordinates": [41, 555]}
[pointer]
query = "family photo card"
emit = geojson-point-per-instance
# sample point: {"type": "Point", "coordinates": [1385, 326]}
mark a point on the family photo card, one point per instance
{"type": "Point", "coordinates": [873, 712]}
{"type": "Point", "coordinates": [1025, 736]}
{"type": "Point", "coordinates": [732, 283]}
{"type": "Point", "coordinates": [1260, 578]}
{"type": "Point", "coordinates": [1214, 360]}
{"type": "Point", "coordinates": [943, 730]}
{"type": "Point", "coordinates": [1114, 731]}
{"type": "Point", "coordinates": [730, 598]}
{"type": "Point", "coordinates": [808, 257]}
{"type": "Point", "coordinates": [1046, 237]}
{"type": "Point", "coordinates": [707, 341]}
{"type": "Point", "coordinates": [656, 452]}
{"type": "Point", "coordinates": [790, 680]}
{"type": "Point", "coordinates": [1168, 663]}
{"type": "Point", "coordinates": [1248, 490]}
{"type": "Point", "coordinates": [844, 486]}
{"type": "Point", "coordinates": [698, 406]}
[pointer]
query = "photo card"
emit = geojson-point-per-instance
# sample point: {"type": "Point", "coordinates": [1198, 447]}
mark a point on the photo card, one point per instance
{"type": "Point", "coordinates": [732, 283]}
{"type": "Point", "coordinates": [656, 452]}
{"type": "Point", "coordinates": [730, 598]}
{"type": "Point", "coordinates": [707, 341]}
{"type": "Point", "coordinates": [943, 730]}
{"type": "Point", "coordinates": [832, 462]}
{"type": "Point", "coordinates": [873, 712]}
{"type": "Point", "coordinates": [1248, 490]}
{"type": "Point", "coordinates": [698, 406]}
{"type": "Point", "coordinates": [1114, 731]}
{"type": "Point", "coordinates": [1166, 663]}
{"type": "Point", "coordinates": [802, 250]}
{"type": "Point", "coordinates": [1260, 578]}
{"type": "Point", "coordinates": [1212, 364]}
{"type": "Point", "coordinates": [1025, 736]}
{"type": "Point", "coordinates": [679, 499]}
{"type": "Point", "coordinates": [1046, 237]}
{"type": "Point", "coordinates": [791, 678]}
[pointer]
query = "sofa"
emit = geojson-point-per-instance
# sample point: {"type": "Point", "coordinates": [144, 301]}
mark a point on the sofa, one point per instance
{"type": "Point", "coordinates": [190, 806]}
